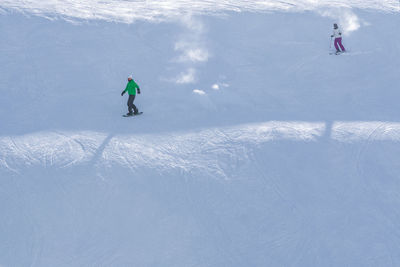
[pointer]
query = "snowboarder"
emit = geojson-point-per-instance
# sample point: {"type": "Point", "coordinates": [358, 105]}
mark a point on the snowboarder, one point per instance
{"type": "Point", "coordinates": [131, 88]}
{"type": "Point", "coordinates": [338, 39]}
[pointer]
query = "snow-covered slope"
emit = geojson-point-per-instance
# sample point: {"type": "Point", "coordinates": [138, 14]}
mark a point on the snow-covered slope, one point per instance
{"type": "Point", "coordinates": [256, 147]}
{"type": "Point", "coordinates": [131, 10]}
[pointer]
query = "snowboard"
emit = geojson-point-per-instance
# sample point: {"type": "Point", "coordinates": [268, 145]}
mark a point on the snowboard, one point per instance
{"type": "Point", "coordinates": [133, 115]}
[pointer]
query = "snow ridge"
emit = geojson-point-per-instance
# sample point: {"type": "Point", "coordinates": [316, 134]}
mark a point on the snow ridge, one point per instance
{"type": "Point", "coordinates": [186, 151]}
{"type": "Point", "coordinates": [190, 151]}
{"type": "Point", "coordinates": [128, 11]}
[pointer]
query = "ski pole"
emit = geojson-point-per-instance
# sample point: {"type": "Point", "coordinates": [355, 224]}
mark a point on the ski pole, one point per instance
{"type": "Point", "coordinates": [330, 44]}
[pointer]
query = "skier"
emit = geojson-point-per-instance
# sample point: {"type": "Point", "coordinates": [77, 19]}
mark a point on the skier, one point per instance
{"type": "Point", "coordinates": [131, 88]}
{"type": "Point", "coordinates": [338, 39]}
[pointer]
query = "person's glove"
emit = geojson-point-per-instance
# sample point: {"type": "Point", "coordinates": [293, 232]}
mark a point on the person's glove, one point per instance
{"type": "Point", "coordinates": [138, 91]}
{"type": "Point", "coordinates": [123, 92]}
{"type": "Point", "coordinates": [331, 36]}
{"type": "Point", "coordinates": [340, 33]}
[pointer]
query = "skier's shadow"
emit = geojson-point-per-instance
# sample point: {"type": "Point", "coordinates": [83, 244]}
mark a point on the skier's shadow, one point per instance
{"type": "Point", "coordinates": [326, 137]}
{"type": "Point", "coordinates": [99, 152]}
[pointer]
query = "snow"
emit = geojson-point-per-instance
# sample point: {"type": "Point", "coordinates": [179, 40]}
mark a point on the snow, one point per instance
{"type": "Point", "coordinates": [256, 147]}
{"type": "Point", "coordinates": [131, 10]}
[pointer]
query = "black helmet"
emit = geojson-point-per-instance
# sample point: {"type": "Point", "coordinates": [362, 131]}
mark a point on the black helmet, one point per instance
{"type": "Point", "coordinates": [335, 26]}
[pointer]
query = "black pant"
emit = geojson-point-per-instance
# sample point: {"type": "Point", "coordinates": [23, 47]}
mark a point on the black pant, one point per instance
{"type": "Point", "coordinates": [131, 105]}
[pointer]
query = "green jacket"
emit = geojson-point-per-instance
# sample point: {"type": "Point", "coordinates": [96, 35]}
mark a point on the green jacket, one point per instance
{"type": "Point", "coordinates": [131, 87]}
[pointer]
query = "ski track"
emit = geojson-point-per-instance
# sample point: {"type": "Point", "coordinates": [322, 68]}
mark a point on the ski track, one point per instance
{"type": "Point", "coordinates": [129, 11]}
{"type": "Point", "coordinates": [196, 151]}
{"type": "Point", "coordinates": [211, 151]}
{"type": "Point", "coordinates": [49, 150]}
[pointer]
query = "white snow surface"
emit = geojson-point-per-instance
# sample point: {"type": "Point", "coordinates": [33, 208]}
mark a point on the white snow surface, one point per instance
{"type": "Point", "coordinates": [256, 146]}
{"type": "Point", "coordinates": [131, 10]}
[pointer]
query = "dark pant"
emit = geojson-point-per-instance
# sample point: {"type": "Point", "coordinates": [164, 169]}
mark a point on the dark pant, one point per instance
{"type": "Point", "coordinates": [131, 105]}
